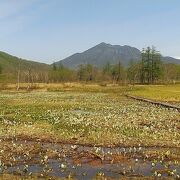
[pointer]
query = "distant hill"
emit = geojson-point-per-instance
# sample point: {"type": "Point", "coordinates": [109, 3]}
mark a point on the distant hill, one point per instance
{"type": "Point", "coordinates": [102, 53]}
{"type": "Point", "coordinates": [9, 63]}
{"type": "Point", "coordinates": [168, 59]}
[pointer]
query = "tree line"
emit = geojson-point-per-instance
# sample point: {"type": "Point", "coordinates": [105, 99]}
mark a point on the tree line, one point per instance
{"type": "Point", "coordinates": [148, 70]}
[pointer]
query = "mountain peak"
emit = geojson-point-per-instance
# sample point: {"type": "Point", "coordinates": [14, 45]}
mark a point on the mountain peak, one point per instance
{"type": "Point", "coordinates": [102, 53]}
{"type": "Point", "coordinates": [103, 44]}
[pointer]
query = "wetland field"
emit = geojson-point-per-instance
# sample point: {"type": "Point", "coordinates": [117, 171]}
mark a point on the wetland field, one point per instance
{"type": "Point", "coordinates": [76, 131]}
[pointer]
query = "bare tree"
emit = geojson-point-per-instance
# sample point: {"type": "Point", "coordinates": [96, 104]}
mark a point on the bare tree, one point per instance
{"type": "Point", "coordinates": [18, 75]}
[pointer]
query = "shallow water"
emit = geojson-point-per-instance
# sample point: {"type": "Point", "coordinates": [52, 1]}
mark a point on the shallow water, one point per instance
{"type": "Point", "coordinates": [83, 162]}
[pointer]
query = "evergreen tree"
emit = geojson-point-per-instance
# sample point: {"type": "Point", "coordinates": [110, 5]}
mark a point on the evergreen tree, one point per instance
{"type": "Point", "coordinates": [150, 65]}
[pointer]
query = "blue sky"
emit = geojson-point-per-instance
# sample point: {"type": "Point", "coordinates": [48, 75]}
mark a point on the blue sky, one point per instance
{"type": "Point", "coordinates": [50, 30]}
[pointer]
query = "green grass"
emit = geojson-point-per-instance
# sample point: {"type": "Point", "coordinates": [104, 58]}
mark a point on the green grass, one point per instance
{"type": "Point", "coordinates": [105, 117]}
{"type": "Point", "coordinates": [170, 93]}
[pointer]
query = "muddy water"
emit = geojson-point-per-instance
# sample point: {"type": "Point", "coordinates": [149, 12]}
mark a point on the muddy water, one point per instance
{"type": "Point", "coordinates": [83, 162]}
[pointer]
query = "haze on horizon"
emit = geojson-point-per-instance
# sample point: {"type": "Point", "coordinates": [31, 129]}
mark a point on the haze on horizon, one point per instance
{"type": "Point", "coordinates": [48, 31]}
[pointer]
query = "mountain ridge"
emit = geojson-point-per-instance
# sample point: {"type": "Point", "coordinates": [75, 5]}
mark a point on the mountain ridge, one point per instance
{"type": "Point", "coordinates": [102, 53]}
{"type": "Point", "coordinates": [9, 62]}
{"type": "Point", "coordinates": [98, 55]}
{"type": "Point", "coordinates": [10, 65]}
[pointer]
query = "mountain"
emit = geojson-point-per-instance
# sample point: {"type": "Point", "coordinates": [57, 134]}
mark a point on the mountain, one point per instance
{"type": "Point", "coordinates": [9, 66]}
{"type": "Point", "coordinates": [102, 53]}
{"type": "Point", "coordinates": [9, 63]}
{"type": "Point", "coordinates": [168, 59]}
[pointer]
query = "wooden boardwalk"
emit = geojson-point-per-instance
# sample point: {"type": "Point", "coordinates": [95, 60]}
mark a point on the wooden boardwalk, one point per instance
{"type": "Point", "coordinates": [166, 105]}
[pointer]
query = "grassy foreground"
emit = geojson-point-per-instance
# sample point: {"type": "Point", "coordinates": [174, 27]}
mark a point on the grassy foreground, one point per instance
{"type": "Point", "coordinates": [169, 93]}
{"type": "Point", "coordinates": [74, 113]}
